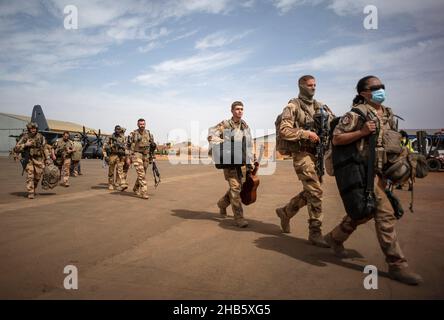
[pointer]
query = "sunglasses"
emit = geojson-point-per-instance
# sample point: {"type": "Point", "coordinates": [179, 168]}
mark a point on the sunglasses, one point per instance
{"type": "Point", "coordinates": [375, 88]}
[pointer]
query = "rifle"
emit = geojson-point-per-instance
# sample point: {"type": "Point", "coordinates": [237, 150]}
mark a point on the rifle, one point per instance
{"type": "Point", "coordinates": [156, 174]}
{"type": "Point", "coordinates": [321, 125]}
{"type": "Point", "coordinates": [26, 156]}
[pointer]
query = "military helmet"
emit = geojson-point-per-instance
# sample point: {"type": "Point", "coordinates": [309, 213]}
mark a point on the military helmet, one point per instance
{"type": "Point", "coordinates": [77, 137]}
{"type": "Point", "coordinates": [30, 125]}
{"type": "Point", "coordinates": [419, 163]}
{"type": "Point", "coordinates": [399, 172]}
{"type": "Point", "coordinates": [117, 128]}
{"type": "Point", "coordinates": [51, 177]}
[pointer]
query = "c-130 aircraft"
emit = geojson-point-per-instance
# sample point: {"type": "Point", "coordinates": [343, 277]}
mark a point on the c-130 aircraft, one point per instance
{"type": "Point", "coordinates": [92, 142]}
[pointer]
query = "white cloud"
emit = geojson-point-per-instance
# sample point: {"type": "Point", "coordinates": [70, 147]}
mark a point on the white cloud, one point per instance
{"type": "Point", "coordinates": [149, 47]}
{"type": "Point", "coordinates": [197, 64]}
{"type": "Point", "coordinates": [47, 49]}
{"type": "Point", "coordinates": [396, 56]}
{"type": "Point", "coordinates": [343, 7]}
{"type": "Point", "coordinates": [285, 6]}
{"type": "Point", "coordinates": [219, 39]}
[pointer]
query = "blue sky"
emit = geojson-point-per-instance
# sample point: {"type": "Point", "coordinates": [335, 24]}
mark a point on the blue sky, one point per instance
{"type": "Point", "coordinates": [174, 62]}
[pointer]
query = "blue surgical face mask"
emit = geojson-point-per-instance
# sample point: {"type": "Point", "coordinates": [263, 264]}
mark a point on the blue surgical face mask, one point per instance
{"type": "Point", "coordinates": [378, 96]}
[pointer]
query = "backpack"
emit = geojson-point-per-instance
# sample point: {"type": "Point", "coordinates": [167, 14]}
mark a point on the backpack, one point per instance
{"type": "Point", "coordinates": [284, 147]}
{"type": "Point", "coordinates": [225, 155]}
{"type": "Point", "coordinates": [355, 175]}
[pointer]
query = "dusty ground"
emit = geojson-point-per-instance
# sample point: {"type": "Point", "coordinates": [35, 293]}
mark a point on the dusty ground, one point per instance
{"type": "Point", "coordinates": [175, 246]}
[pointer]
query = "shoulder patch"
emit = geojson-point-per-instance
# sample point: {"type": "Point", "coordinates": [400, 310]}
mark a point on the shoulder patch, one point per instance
{"type": "Point", "coordinates": [346, 119]}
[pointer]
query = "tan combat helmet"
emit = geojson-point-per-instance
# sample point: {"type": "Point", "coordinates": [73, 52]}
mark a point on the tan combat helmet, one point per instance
{"type": "Point", "coordinates": [31, 125]}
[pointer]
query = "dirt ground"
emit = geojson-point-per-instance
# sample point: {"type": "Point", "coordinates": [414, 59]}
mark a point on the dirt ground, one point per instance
{"type": "Point", "coordinates": [175, 245]}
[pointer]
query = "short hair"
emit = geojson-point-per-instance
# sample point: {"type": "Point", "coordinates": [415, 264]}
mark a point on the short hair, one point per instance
{"type": "Point", "coordinates": [235, 104]}
{"type": "Point", "coordinates": [64, 132]}
{"type": "Point", "coordinates": [140, 120]}
{"type": "Point", "coordinates": [305, 78]}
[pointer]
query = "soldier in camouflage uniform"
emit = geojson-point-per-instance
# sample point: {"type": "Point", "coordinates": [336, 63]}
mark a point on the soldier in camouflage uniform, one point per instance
{"type": "Point", "coordinates": [115, 152]}
{"type": "Point", "coordinates": [126, 165]}
{"type": "Point", "coordinates": [76, 155]}
{"type": "Point", "coordinates": [34, 143]}
{"type": "Point", "coordinates": [237, 127]}
{"type": "Point", "coordinates": [351, 129]}
{"type": "Point", "coordinates": [297, 126]}
{"type": "Point", "coordinates": [63, 149]}
{"type": "Point", "coordinates": [142, 148]}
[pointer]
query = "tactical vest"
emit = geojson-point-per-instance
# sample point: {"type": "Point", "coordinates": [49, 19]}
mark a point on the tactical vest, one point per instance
{"type": "Point", "coordinates": [36, 150]}
{"type": "Point", "coordinates": [304, 120]}
{"type": "Point", "coordinates": [117, 144]}
{"type": "Point", "coordinates": [141, 142]}
{"type": "Point", "coordinates": [60, 147]}
{"type": "Point", "coordinates": [77, 154]}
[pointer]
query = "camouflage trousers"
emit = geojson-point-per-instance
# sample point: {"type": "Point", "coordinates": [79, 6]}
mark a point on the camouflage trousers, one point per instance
{"type": "Point", "coordinates": [75, 167]}
{"type": "Point", "coordinates": [64, 170]}
{"type": "Point", "coordinates": [125, 173]}
{"type": "Point", "coordinates": [385, 229]}
{"type": "Point", "coordinates": [34, 171]}
{"type": "Point", "coordinates": [232, 196]}
{"type": "Point", "coordinates": [311, 195]}
{"type": "Point", "coordinates": [140, 162]}
{"type": "Point", "coordinates": [116, 162]}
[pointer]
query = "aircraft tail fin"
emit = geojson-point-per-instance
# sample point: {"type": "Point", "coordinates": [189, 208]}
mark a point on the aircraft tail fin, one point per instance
{"type": "Point", "coordinates": [39, 118]}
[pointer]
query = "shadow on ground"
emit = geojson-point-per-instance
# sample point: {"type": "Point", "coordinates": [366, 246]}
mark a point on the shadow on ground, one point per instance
{"type": "Point", "coordinates": [275, 240]}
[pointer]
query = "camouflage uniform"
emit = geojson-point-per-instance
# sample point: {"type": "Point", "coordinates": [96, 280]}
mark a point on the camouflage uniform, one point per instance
{"type": "Point", "coordinates": [233, 175]}
{"type": "Point", "coordinates": [38, 153]}
{"type": "Point", "coordinates": [115, 148]}
{"type": "Point", "coordinates": [297, 120]}
{"type": "Point", "coordinates": [63, 151]}
{"type": "Point", "coordinates": [76, 156]}
{"type": "Point", "coordinates": [141, 157]}
{"type": "Point", "coordinates": [125, 166]}
{"type": "Point", "coordinates": [384, 216]}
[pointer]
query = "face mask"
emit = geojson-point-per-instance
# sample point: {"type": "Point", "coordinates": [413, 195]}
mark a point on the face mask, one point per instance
{"type": "Point", "coordinates": [378, 96]}
{"type": "Point", "coordinates": [306, 92]}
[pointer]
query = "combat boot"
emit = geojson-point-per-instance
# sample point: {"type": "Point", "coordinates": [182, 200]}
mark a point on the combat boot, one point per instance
{"type": "Point", "coordinates": [404, 275]}
{"type": "Point", "coordinates": [144, 196]}
{"type": "Point", "coordinates": [110, 187]}
{"type": "Point", "coordinates": [122, 187]}
{"type": "Point", "coordinates": [338, 248]}
{"type": "Point", "coordinates": [223, 212]}
{"type": "Point", "coordinates": [315, 234]}
{"type": "Point", "coordinates": [31, 195]}
{"type": "Point", "coordinates": [285, 221]}
{"type": "Point", "coordinates": [241, 223]}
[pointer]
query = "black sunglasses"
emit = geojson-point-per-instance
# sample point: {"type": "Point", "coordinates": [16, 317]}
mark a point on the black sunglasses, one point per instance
{"type": "Point", "coordinates": [377, 87]}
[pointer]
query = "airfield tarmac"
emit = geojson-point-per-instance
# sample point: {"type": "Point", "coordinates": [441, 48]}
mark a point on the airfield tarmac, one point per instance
{"type": "Point", "coordinates": [175, 245]}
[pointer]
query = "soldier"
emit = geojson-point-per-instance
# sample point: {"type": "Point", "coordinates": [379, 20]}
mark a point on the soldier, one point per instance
{"type": "Point", "coordinates": [298, 127]}
{"type": "Point", "coordinates": [350, 129]}
{"type": "Point", "coordinates": [76, 155]}
{"type": "Point", "coordinates": [142, 148]}
{"type": "Point", "coordinates": [63, 149]}
{"type": "Point", "coordinates": [126, 165]}
{"type": "Point", "coordinates": [32, 145]}
{"type": "Point", "coordinates": [114, 153]}
{"type": "Point", "coordinates": [233, 174]}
